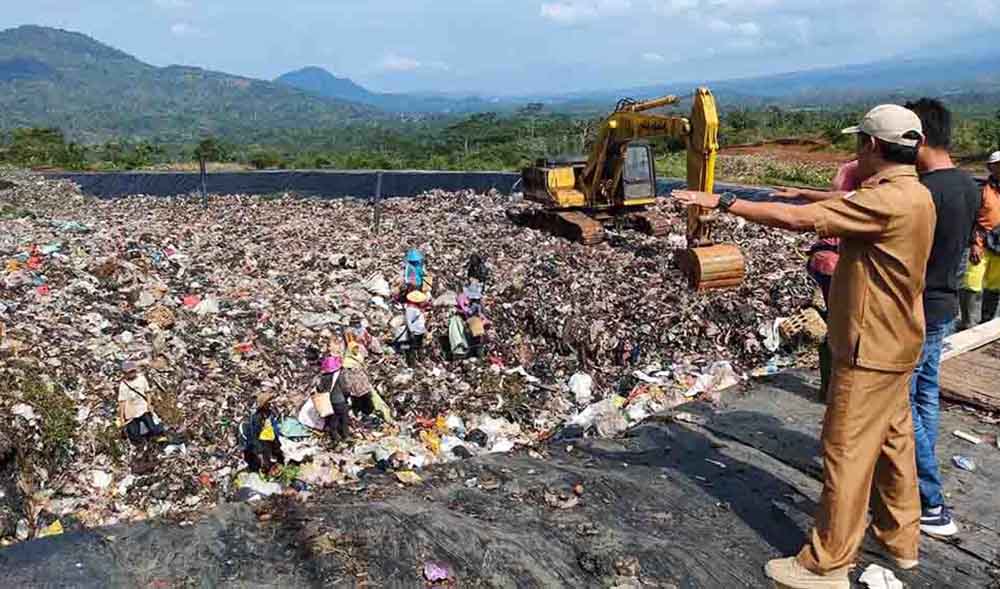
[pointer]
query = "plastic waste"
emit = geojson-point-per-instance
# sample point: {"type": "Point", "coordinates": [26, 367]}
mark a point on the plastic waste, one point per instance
{"type": "Point", "coordinates": [208, 306]}
{"type": "Point", "coordinates": [581, 384]}
{"type": "Point", "coordinates": [377, 285]}
{"type": "Point", "coordinates": [408, 477]}
{"type": "Point", "coordinates": [294, 429]}
{"type": "Point", "coordinates": [53, 529]}
{"type": "Point", "coordinates": [771, 332]}
{"type": "Point", "coordinates": [605, 416]}
{"type": "Point", "coordinates": [435, 571]}
{"type": "Point", "coordinates": [964, 463]}
{"type": "Point", "coordinates": [309, 417]}
{"type": "Point", "coordinates": [720, 376]}
{"type": "Point", "coordinates": [297, 451]}
{"type": "Point", "coordinates": [252, 487]}
{"type": "Point", "coordinates": [100, 479]}
{"type": "Point", "coordinates": [24, 410]}
{"type": "Point", "coordinates": [314, 320]}
{"type": "Point", "coordinates": [878, 577]}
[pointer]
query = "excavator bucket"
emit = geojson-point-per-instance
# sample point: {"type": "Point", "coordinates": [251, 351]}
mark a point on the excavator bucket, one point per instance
{"type": "Point", "coordinates": [708, 265]}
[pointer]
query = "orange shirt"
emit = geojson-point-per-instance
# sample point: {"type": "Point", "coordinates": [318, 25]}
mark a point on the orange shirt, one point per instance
{"type": "Point", "coordinates": [989, 212]}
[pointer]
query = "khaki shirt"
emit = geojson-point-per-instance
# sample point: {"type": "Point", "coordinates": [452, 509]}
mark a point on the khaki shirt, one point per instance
{"type": "Point", "coordinates": [876, 299]}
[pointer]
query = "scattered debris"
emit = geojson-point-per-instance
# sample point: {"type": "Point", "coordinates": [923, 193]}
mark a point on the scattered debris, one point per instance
{"type": "Point", "coordinates": [964, 463]}
{"type": "Point", "coordinates": [561, 500]}
{"type": "Point", "coordinates": [408, 477]}
{"type": "Point", "coordinates": [437, 573]}
{"type": "Point", "coordinates": [878, 577]}
{"type": "Point", "coordinates": [719, 377]}
{"type": "Point", "coordinates": [972, 439]}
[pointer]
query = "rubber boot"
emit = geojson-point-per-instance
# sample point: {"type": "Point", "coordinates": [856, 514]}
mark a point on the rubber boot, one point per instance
{"type": "Point", "coordinates": [991, 300]}
{"type": "Point", "coordinates": [971, 303]}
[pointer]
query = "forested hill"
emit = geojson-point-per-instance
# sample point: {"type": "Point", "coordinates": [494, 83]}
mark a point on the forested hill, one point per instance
{"type": "Point", "coordinates": [55, 78]}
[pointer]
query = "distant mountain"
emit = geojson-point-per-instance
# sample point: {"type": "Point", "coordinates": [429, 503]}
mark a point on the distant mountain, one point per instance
{"type": "Point", "coordinates": [51, 77]}
{"type": "Point", "coordinates": [320, 82]}
{"type": "Point", "coordinates": [317, 80]}
{"type": "Point", "coordinates": [942, 69]}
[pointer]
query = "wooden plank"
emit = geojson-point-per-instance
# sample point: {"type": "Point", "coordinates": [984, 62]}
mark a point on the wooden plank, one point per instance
{"type": "Point", "coordinates": [970, 339]}
{"type": "Point", "coordinates": [973, 378]}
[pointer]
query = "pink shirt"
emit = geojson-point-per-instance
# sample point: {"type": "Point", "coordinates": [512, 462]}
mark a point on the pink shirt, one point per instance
{"type": "Point", "coordinates": [846, 179]}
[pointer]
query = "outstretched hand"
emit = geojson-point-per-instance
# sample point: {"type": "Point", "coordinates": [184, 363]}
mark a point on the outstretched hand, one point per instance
{"type": "Point", "coordinates": [693, 197]}
{"type": "Point", "coordinates": [785, 192]}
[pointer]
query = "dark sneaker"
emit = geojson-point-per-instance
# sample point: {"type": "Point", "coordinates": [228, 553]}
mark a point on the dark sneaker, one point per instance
{"type": "Point", "coordinates": [936, 521]}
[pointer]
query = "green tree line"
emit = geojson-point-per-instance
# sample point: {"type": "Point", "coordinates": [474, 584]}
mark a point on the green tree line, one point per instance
{"type": "Point", "coordinates": [484, 141]}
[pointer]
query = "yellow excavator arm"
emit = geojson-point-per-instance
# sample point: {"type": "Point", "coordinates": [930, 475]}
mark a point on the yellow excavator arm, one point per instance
{"type": "Point", "coordinates": [630, 122]}
{"type": "Point", "coordinates": [619, 177]}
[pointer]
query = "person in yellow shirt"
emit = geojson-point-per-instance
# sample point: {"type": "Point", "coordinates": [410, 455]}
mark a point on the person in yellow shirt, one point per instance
{"type": "Point", "coordinates": [981, 287]}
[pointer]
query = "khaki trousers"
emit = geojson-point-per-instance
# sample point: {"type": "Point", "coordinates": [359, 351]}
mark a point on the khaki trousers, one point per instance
{"type": "Point", "coordinates": [868, 454]}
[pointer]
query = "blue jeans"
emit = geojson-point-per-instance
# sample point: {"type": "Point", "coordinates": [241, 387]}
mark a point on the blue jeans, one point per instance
{"type": "Point", "coordinates": [925, 393]}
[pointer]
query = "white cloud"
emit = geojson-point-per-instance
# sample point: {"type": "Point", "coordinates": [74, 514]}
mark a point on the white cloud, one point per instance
{"type": "Point", "coordinates": [653, 57]}
{"type": "Point", "coordinates": [172, 4]}
{"type": "Point", "coordinates": [749, 29]}
{"type": "Point", "coordinates": [183, 29]}
{"type": "Point", "coordinates": [568, 12]}
{"type": "Point", "coordinates": [393, 62]}
{"type": "Point", "coordinates": [746, 29]}
{"type": "Point", "coordinates": [673, 6]}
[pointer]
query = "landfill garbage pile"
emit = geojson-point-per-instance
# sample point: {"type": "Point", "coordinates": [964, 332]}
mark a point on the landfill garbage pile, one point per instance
{"type": "Point", "coordinates": [218, 301]}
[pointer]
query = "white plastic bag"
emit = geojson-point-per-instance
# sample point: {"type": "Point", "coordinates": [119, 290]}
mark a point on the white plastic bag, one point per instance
{"type": "Point", "coordinates": [582, 386]}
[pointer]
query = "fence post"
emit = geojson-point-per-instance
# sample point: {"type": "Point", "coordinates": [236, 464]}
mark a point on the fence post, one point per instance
{"type": "Point", "coordinates": [204, 181]}
{"type": "Point", "coordinates": [377, 204]}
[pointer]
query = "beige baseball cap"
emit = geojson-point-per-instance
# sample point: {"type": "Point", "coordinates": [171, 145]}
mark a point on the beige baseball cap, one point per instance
{"type": "Point", "coordinates": [994, 158]}
{"type": "Point", "coordinates": [890, 123]}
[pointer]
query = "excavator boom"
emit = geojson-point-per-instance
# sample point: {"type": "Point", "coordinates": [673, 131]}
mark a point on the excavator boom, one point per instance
{"type": "Point", "coordinates": [618, 180]}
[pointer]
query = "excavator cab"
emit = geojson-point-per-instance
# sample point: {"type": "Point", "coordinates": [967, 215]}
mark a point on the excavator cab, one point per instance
{"type": "Point", "coordinates": [639, 174]}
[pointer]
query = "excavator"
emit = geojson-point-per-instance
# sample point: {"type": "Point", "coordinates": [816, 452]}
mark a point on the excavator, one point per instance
{"type": "Point", "coordinates": [617, 183]}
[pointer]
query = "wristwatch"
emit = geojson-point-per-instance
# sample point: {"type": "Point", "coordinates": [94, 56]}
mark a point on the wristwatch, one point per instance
{"type": "Point", "coordinates": [726, 200]}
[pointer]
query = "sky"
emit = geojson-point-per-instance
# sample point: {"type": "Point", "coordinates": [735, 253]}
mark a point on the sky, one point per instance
{"type": "Point", "coordinates": [516, 47]}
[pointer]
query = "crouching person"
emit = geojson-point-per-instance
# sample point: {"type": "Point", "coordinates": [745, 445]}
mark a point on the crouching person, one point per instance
{"type": "Point", "coordinates": [134, 410]}
{"type": "Point", "coordinates": [262, 438]}
{"type": "Point", "coordinates": [330, 401]}
{"type": "Point", "coordinates": [356, 384]}
{"type": "Point", "coordinates": [475, 320]}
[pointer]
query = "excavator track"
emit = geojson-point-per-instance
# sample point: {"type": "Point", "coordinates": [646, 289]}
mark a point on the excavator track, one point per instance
{"type": "Point", "coordinates": [577, 227]}
{"type": "Point", "coordinates": [572, 225]}
{"type": "Point", "coordinates": [649, 223]}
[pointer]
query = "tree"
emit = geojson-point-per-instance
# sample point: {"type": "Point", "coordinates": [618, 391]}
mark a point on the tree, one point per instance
{"type": "Point", "coordinates": [45, 147]}
{"type": "Point", "coordinates": [479, 126]}
{"type": "Point", "coordinates": [989, 133]}
{"type": "Point", "coordinates": [530, 112]}
{"type": "Point", "coordinates": [209, 150]}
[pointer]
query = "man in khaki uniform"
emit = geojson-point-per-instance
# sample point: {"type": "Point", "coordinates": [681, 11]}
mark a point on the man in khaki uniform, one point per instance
{"type": "Point", "coordinates": [876, 332]}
